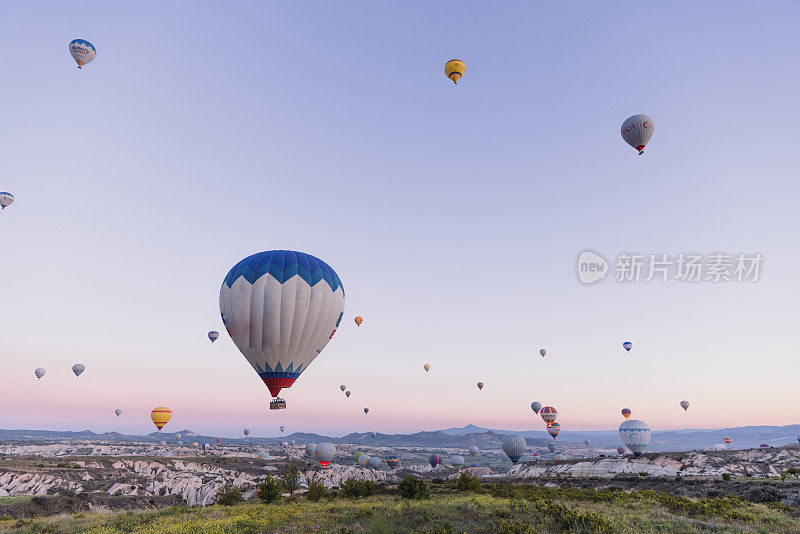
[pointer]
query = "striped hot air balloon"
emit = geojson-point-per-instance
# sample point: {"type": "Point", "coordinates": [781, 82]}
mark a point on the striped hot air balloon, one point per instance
{"type": "Point", "coordinates": [6, 199]}
{"type": "Point", "coordinates": [161, 416]}
{"type": "Point", "coordinates": [359, 320]}
{"type": "Point", "coordinates": [627, 346]}
{"type": "Point", "coordinates": [727, 440]}
{"type": "Point", "coordinates": [454, 69]}
{"type": "Point", "coordinates": [393, 462]}
{"type": "Point", "coordinates": [554, 429]}
{"type": "Point", "coordinates": [626, 413]}
{"type": "Point", "coordinates": [548, 415]}
{"type": "Point", "coordinates": [480, 385]}
{"type": "Point", "coordinates": [213, 335]}
{"type": "Point", "coordinates": [685, 405]}
{"type": "Point", "coordinates": [434, 460]}
{"type": "Point", "coordinates": [635, 435]}
{"type": "Point", "coordinates": [363, 460]}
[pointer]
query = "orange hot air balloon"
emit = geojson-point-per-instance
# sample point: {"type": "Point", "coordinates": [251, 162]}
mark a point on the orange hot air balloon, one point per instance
{"type": "Point", "coordinates": [161, 416]}
{"type": "Point", "coordinates": [359, 320]}
{"type": "Point", "coordinates": [626, 413]}
{"type": "Point", "coordinates": [727, 441]}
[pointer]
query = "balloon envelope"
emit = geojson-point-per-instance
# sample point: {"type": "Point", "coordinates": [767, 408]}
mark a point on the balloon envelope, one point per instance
{"type": "Point", "coordinates": [213, 335]}
{"type": "Point", "coordinates": [343, 387]}
{"type": "Point", "coordinates": [480, 385]}
{"type": "Point", "coordinates": [554, 429]}
{"type": "Point", "coordinates": [548, 415]}
{"type": "Point", "coordinates": [6, 199]}
{"type": "Point", "coordinates": [457, 461]}
{"type": "Point", "coordinates": [536, 406]}
{"type": "Point", "coordinates": [514, 446]}
{"type": "Point", "coordinates": [727, 440]}
{"type": "Point", "coordinates": [434, 460]}
{"type": "Point", "coordinates": [620, 450]}
{"type": "Point", "coordinates": [358, 321]}
{"type": "Point", "coordinates": [427, 367]}
{"type": "Point", "coordinates": [282, 428]}
{"type": "Point", "coordinates": [626, 413]}
{"type": "Point", "coordinates": [78, 369]}
{"type": "Point", "coordinates": [118, 412]}
{"type": "Point", "coordinates": [543, 352]}
{"type": "Point", "coordinates": [374, 462]}
{"type": "Point", "coordinates": [635, 435]}
{"type": "Point", "coordinates": [393, 462]}
{"type": "Point", "coordinates": [311, 448]}
{"type": "Point", "coordinates": [627, 346]}
{"type": "Point", "coordinates": [685, 405]}
{"type": "Point", "coordinates": [347, 394]}
{"type": "Point", "coordinates": [324, 453]}
{"type": "Point", "coordinates": [161, 416]}
{"type": "Point", "coordinates": [366, 410]}
{"type": "Point", "coordinates": [281, 308]}
{"type": "Point", "coordinates": [82, 51]}
{"type": "Point", "coordinates": [454, 69]}
{"type": "Point", "coordinates": [473, 451]}
{"type": "Point", "coordinates": [363, 460]}
{"type": "Point", "coordinates": [246, 431]}
{"type": "Point", "coordinates": [637, 131]}
{"type": "Point", "coordinates": [39, 372]}
{"type": "Point", "coordinates": [552, 447]}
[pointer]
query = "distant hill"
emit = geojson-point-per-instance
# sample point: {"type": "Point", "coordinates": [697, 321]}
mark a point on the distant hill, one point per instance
{"type": "Point", "coordinates": [483, 438]}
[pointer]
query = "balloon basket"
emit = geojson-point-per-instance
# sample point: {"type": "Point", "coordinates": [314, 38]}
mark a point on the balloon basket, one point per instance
{"type": "Point", "coordinates": [277, 404]}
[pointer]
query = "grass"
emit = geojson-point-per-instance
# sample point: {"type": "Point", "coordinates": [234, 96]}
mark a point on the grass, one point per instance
{"type": "Point", "coordinates": [497, 508]}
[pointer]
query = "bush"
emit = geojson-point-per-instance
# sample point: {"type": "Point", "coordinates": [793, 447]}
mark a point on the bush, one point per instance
{"type": "Point", "coordinates": [414, 488]}
{"type": "Point", "coordinates": [358, 488]}
{"type": "Point", "coordinates": [467, 482]}
{"type": "Point", "coordinates": [316, 491]}
{"type": "Point", "coordinates": [644, 474]}
{"type": "Point", "coordinates": [291, 479]}
{"type": "Point", "coordinates": [726, 476]}
{"type": "Point", "coordinates": [228, 495]}
{"type": "Point", "coordinates": [269, 491]}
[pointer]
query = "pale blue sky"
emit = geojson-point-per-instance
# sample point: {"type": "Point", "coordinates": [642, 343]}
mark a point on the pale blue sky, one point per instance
{"type": "Point", "coordinates": [205, 132]}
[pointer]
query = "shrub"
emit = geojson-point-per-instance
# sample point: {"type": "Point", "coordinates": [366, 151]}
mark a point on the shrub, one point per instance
{"type": "Point", "coordinates": [726, 476]}
{"type": "Point", "coordinates": [413, 487]}
{"type": "Point", "coordinates": [316, 491]}
{"type": "Point", "coordinates": [291, 479]}
{"type": "Point", "coordinates": [644, 474]}
{"type": "Point", "coordinates": [228, 495]}
{"type": "Point", "coordinates": [358, 488]}
{"type": "Point", "coordinates": [269, 491]}
{"type": "Point", "coordinates": [467, 482]}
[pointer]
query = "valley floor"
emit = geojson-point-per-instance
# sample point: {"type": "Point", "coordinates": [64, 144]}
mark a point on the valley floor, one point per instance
{"type": "Point", "coordinates": [496, 508]}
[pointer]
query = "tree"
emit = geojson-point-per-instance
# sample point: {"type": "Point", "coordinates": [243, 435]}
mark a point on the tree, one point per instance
{"type": "Point", "coordinates": [413, 487]}
{"type": "Point", "coordinates": [316, 491]}
{"type": "Point", "coordinates": [467, 482]}
{"type": "Point", "coordinates": [228, 495]}
{"type": "Point", "coordinates": [269, 491]}
{"type": "Point", "coordinates": [291, 479]}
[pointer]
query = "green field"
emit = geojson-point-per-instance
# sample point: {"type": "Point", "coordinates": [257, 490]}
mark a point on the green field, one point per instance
{"type": "Point", "coordinates": [495, 508]}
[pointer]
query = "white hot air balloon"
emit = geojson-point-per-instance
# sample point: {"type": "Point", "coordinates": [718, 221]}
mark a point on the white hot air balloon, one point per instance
{"type": "Point", "coordinates": [324, 453]}
{"type": "Point", "coordinates": [78, 369]}
{"type": "Point", "coordinates": [637, 131]}
{"type": "Point", "coordinates": [457, 461]}
{"type": "Point", "coordinates": [635, 435]}
{"type": "Point", "coordinates": [473, 451]}
{"type": "Point", "coordinates": [82, 51]}
{"type": "Point", "coordinates": [39, 372]}
{"type": "Point", "coordinates": [281, 308]}
{"type": "Point", "coordinates": [6, 199]}
{"type": "Point", "coordinates": [514, 446]}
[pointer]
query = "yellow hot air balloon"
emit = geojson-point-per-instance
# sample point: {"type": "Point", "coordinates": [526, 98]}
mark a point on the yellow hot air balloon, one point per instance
{"type": "Point", "coordinates": [427, 367]}
{"type": "Point", "coordinates": [161, 416]}
{"type": "Point", "coordinates": [454, 69]}
{"type": "Point", "coordinates": [359, 320]}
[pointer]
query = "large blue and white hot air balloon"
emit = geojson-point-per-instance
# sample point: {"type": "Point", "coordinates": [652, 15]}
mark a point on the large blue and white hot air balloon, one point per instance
{"type": "Point", "coordinates": [281, 308]}
{"type": "Point", "coordinates": [82, 51]}
{"type": "Point", "coordinates": [635, 435]}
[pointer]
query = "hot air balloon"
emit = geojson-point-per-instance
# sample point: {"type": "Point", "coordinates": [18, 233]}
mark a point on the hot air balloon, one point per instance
{"type": "Point", "coordinates": [161, 416]}
{"type": "Point", "coordinates": [358, 455]}
{"type": "Point", "coordinates": [359, 320]}
{"type": "Point", "coordinates": [118, 412]}
{"type": "Point", "coordinates": [195, 444]}
{"type": "Point", "coordinates": [393, 462]}
{"type": "Point", "coordinates": [427, 367]}
{"type": "Point", "coordinates": [635, 435]}
{"type": "Point", "coordinates": [457, 461]}
{"type": "Point", "coordinates": [548, 415]}
{"type": "Point", "coordinates": [374, 462]}
{"type": "Point", "coordinates": [454, 69]}
{"type": "Point", "coordinates": [552, 447]}
{"type": "Point", "coordinates": [366, 410]}
{"type": "Point", "coordinates": [343, 387]}
{"type": "Point", "coordinates": [685, 405]}
{"type": "Point", "coordinates": [621, 451]}
{"type": "Point", "coordinates": [177, 436]}
{"type": "Point", "coordinates": [6, 199]}
{"type": "Point", "coordinates": [543, 352]}
{"type": "Point", "coordinates": [213, 335]}
{"type": "Point", "coordinates": [798, 439]}
{"type": "Point", "coordinates": [627, 346]}
{"type": "Point", "coordinates": [347, 394]}
{"type": "Point", "coordinates": [206, 447]}
{"type": "Point", "coordinates": [536, 455]}
{"type": "Point", "coordinates": [82, 51]}
{"type": "Point", "coordinates": [473, 451]}
{"type": "Point", "coordinates": [39, 372]}
{"type": "Point", "coordinates": [281, 308]}
{"type": "Point", "coordinates": [727, 440]}
{"type": "Point", "coordinates": [637, 131]}
{"type": "Point", "coordinates": [363, 460]}
{"type": "Point", "coordinates": [282, 428]}
{"type": "Point", "coordinates": [373, 434]}
{"type": "Point", "coordinates": [626, 413]}
{"type": "Point", "coordinates": [263, 455]}
{"type": "Point", "coordinates": [763, 446]}
{"type": "Point", "coordinates": [324, 453]}
{"type": "Point", "coordinates": [434, 460]}
{"type": "Point", "coordinates": [514, 446]}
{"type": "Point", "coordinates": [246, 431]}
{"type": "Point", "coordinates": [554, 429]}
{"type": "Point", "coordinates": [587, 443]}
{"type": "Point", "coordinates": [310, 448]}
{"type": "Point", "coordinates": [536, 406]}
{"type": "Point", "coordinates": [78, 369]}
{"type": "Point", "coordinates": [480, 385]}
{"type": "Point", "coordinates": [720, 447]}
{"type": "Point", "coordinates": [219, 441]}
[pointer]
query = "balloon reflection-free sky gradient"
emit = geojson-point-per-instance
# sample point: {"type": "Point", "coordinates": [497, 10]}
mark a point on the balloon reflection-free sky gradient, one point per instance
{"type": "Point", "coordinates": [204, 132]}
